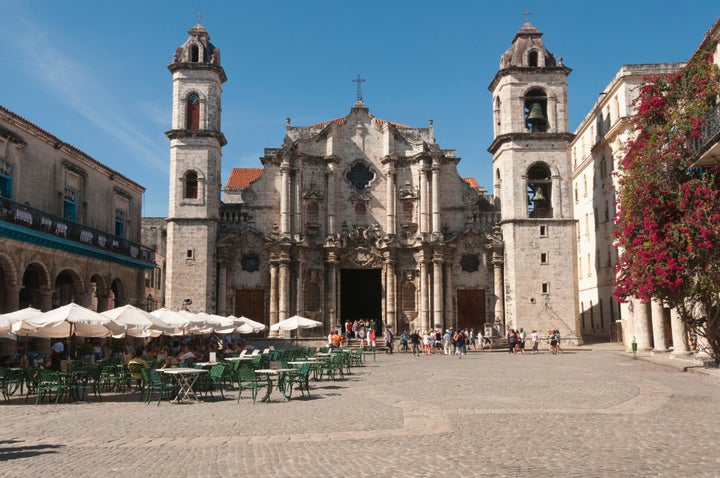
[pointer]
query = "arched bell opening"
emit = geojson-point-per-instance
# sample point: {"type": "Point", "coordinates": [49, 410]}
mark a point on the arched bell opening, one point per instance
{"type": "Point", "coordinates": [539, 191]}
{"type": "Point", "coordinates": [536, 118]}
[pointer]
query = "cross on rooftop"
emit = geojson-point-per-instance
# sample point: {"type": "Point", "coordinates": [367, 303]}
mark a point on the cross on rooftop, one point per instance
{"type": "Point", "coordinates": [527, 16]}
{"type": "Point", "coordinates": [199, 16]}
{"type": "Point", "coordinates": [359, 82]}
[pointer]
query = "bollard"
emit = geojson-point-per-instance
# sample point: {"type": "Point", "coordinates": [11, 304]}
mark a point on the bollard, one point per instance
{"type": "Point", "coordinates": [634, 348]}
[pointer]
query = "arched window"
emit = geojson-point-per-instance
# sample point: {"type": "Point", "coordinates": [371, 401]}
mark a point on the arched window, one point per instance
{"type": "Point", "coordinates": [193, 112]}
{"type": "Point", "coordinates": [536, 118]}
{"type": "Point", "coordinates": [533, 59]}
{"type": "Point", "coordinates": [191, 185]}
{"type": "Point", "coordinates": [539, 191]}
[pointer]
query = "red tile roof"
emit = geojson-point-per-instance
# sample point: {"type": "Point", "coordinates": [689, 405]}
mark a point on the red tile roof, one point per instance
{"type": "Point", "coordinates": [242, 177]}
{"type": "Point", "coordinates": [472, 182]}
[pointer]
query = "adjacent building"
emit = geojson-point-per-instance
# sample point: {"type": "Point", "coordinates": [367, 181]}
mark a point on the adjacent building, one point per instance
{"type": "Point", "coordinates": [69, 225]}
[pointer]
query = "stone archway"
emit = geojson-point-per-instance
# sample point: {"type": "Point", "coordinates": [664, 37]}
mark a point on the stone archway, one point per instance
{"type": "Point", "coordinates": [8, 285]}
{"type": "Point", "coordinates": [68, 288]}
{"type": "Point", "coordinates": [118, 295]}
{"type": "Point", "coordinates": [99, 293]}
{"type": "Point", "coordinates": [35, 290]}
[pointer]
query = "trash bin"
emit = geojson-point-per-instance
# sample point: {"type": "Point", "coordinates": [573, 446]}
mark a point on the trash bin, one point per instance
{"type": "Point", "coordinates": [634, 348]}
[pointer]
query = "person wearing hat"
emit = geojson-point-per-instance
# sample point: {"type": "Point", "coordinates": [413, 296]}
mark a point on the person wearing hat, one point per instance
{"type": "Point", "coordinates": [447, 342]}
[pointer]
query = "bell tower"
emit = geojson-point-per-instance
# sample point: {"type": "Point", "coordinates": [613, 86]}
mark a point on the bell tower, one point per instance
{"type": "Point", "coordinates": [532, 181]}
{"type": "Point", "coordinates": [196, 142]}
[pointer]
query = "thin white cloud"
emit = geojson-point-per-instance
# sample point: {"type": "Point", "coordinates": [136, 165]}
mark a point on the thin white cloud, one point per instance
{"type": "Point", "coordinates": [73, 83]}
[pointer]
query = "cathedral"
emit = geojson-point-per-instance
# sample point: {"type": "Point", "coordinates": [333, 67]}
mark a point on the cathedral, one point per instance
{"type": "Point", "coordinates": [359, 217]}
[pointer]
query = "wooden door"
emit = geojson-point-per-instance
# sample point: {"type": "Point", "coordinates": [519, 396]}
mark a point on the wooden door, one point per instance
{"type": "Point", "coordinates": [471, 309]}
{"type": "Point", "coordinates": [251, 304]}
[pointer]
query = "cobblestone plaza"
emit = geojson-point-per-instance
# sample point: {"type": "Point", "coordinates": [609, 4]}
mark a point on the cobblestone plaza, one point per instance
{"type": "Point", "coordinates": [590, 413]}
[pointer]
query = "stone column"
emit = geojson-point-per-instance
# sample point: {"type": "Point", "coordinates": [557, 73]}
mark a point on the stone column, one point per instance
{"type": "Point", "coordinates": [284, 283]}
{"type": "Point", "coordinates": [435, 198]}
{"type": "Point", "coordinates": [679, 334]}
{"type": "Point", "coordinates": [423, 201]}
{"type": "Point", "coordinates": [658, 329]}
{"type": "Point", "coordinates": [273, 295]}
{"type": "Point", "coordinates": [424, 292]}
{"type": "Point", "coordinates": [643, 334]}
{"type": "Point", "coordinates": [12, 299]}
{"type": "Point", "coordinates": [299, 288]}
{"type": "Point", "coordinates": [45, 299]}
{"type": "Point", "coordinates": [438, 303]}
{"type": "Point", "coordinates": [332, 265]}
{"type": "Point", "coordinates": [222, 290]}
{"type": "Point", "coordinates": [285, 198]}
{"type": "Point", "coordinates": [330, 195]}
{"type": "Point", "coordinates": [390, 199]}
{"type": "Point", "coordinates": [390, 293]}
{"type": "Point", "coordinates": [498, 288]}
{"type": "Point", "coordinates": [102, 301]}
{"type": "Point", "coordinates": [297, 195]}
{"type": "Point", "coordinates": [449, 291]}
{"type": "Point", "coordinates": [627, 323]}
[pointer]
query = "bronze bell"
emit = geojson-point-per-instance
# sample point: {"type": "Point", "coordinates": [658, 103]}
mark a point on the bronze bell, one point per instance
{"type": "Point", "coordinates": [538, 196]}
{"type": "Point", "coordinates": [536, 117]}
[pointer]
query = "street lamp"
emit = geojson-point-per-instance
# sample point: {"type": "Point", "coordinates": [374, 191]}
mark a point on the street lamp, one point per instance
{"type": "Point", "coordinates": [185, 304]}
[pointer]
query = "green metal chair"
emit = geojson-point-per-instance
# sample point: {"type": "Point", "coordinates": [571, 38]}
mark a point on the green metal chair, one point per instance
{"type": "Point", "coordinates": [248, 380]}
{"type": "Point", "coordinates": [214, 380]}
{"type": "Point", "coordinates": [300, 378]}
{"type": "Point", "coordinates": [49, 381]}
{"type": "Point", "coordinates": [155, 383]}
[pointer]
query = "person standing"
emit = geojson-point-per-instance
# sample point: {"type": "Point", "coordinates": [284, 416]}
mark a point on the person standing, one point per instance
{"type": "Point", "coordinates": [415, 342]}
{"type": "Point", "coordinates": [460, 344]}
{"type": "Point", "coordinates": [56, 355]}
{"type": "Point", "coordinates": [447, 342]}
{"type": "Point", "coordinates": [389, 340]}
{"type": "Point", "coordinates": [534, 339]}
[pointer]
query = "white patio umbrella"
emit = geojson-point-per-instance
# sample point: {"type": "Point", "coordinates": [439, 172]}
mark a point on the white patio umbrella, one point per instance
{"type": "Point", "coordinates": [218, 323]}
{"type": "Point", "coordinates": [169, 322]}
{"type": "Point", "coordinates": [130, 320]}
{"type": "Point", "coordinates": [296, 322]}
{"type": "Point", "coordinates": [247, 326]}
{"type": "Point", "coordinates": [7, 321]}
{"type": "Point", "coordinates": [68, 320]}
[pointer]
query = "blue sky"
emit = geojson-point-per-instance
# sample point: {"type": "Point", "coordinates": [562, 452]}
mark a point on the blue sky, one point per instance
{"type": "Point", "coordinates": [94, 73]}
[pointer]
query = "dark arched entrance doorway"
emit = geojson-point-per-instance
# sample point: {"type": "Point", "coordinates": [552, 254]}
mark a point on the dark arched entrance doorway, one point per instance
{"type": "Point", "coordinates": [361, 296]}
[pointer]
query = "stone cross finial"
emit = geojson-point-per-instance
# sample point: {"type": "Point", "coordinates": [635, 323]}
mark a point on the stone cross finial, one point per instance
{"type": "Point", "coordinates": [359, 82]}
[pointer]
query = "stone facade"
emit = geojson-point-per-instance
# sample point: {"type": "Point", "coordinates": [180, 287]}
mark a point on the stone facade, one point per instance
{"type": "Point", "coordinates": [532, 186]}
{"type": "Point", "coordinates": [69, 225]}
{"type": "Point", "coordinates": [596, 151]}
{"type": "Point", "coordinates": [360, 217]}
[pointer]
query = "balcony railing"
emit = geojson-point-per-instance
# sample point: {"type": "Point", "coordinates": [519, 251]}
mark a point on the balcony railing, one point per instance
{"type": "Point", "coordinates": [710, 128]}
{"type": "Point", "coordinates": [37, 220]}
